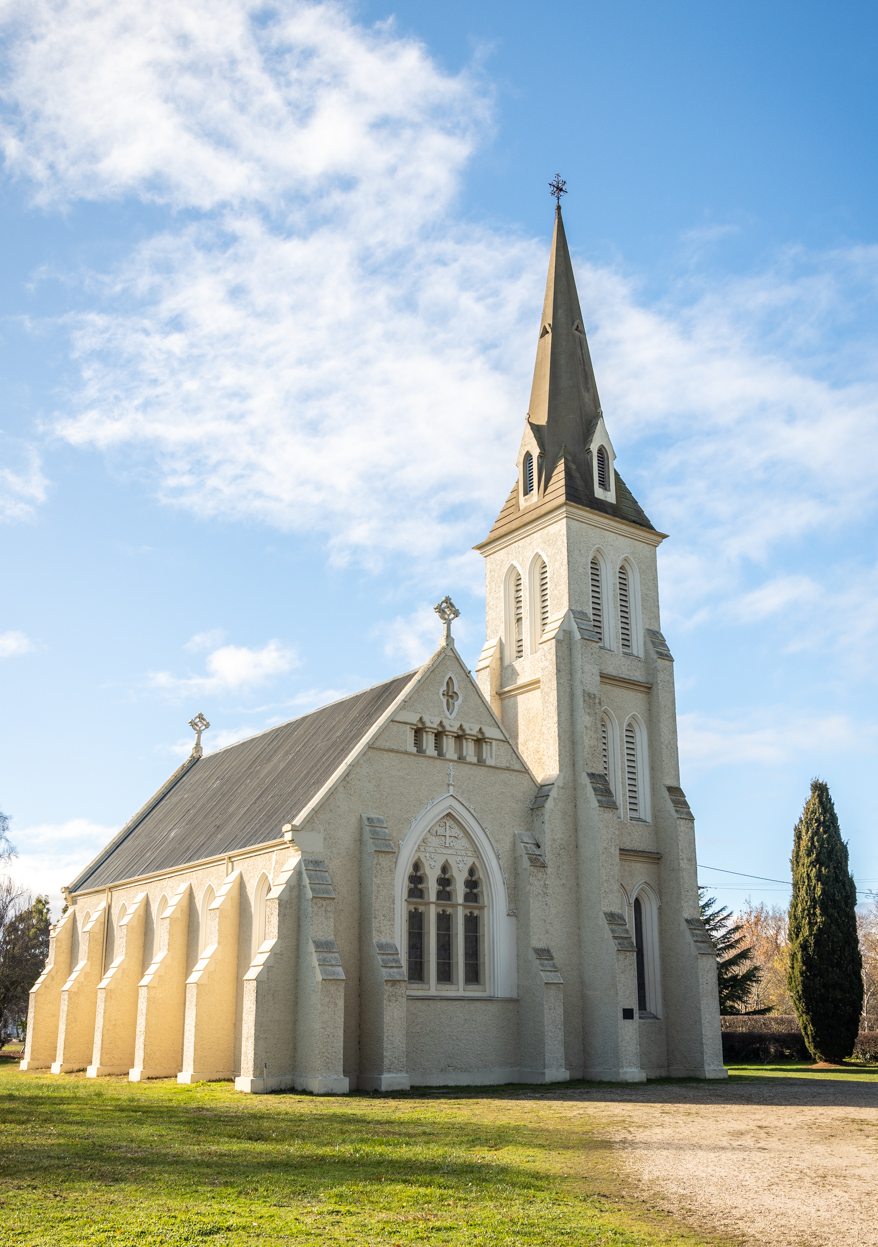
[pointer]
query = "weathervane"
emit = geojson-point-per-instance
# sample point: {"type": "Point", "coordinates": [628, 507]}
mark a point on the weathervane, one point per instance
{"type": "Point", "coordinates": [557, 189]}
{"type": "Point", "coordinates": [199, 724]}
{"type": "Point", "coordinates": [447, 612]}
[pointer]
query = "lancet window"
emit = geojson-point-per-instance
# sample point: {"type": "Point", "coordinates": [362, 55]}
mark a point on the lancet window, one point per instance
{"type": "Point", "coordinates": [446, 915]}
{"type": "Point", "coordinates": [636, 771]}
{"type": "Point", "coordinates": [514, 604]}
{"type": "Point", "coordinates": [603, 469]}
{"type": "Point", "coordinates": [624, 610]}
{"type": "Point", "coordinates": [646, 939]}
{"type": "Point", "coordinates": [599, 613]}
{"type": "Point", "coordinates": [528, 470]}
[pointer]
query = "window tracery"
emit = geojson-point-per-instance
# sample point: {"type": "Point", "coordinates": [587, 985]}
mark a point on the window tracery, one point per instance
{"type": "Point", "coordinates": [446, 922]}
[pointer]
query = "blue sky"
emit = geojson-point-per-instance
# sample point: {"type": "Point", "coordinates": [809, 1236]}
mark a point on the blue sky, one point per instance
{"type": "Point", "coordinates": [271, 285]}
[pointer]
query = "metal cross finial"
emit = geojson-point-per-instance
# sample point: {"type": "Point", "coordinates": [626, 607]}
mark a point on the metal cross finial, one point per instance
{"type": "Point", "coordinates": [199, 724]}
{"type": "Point", "coordinates": [447, 612]}
{"type": "Point", "coordinates": [558, 188]}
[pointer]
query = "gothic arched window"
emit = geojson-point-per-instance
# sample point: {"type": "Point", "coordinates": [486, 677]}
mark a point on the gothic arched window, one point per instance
{"type": "Point", "coordinates": [624, 610]}
{"type": "Point", "coordinates": [260, 911]}
{"type": "Point", "coordinates": [445, 925]}
{"type": "Point", "coordinates": [610, 753]}
{"type": "Point", "coordinates": [646, 938]}
{"type": "Point", "coordinates": [600, 614]}
{"type": "Point", "coordinates": [636, 771]}
{"type": "Point", "coordinates": [514, 615]}
{"type": "Point", "coordinates": [528, 473]}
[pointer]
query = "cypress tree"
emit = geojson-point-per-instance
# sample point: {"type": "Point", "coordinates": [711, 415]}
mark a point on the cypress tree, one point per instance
{"type": "Point", "coordinates": [826, 970]}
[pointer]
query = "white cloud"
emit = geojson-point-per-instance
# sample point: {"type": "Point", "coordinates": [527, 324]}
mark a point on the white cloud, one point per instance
{"type": "Point", "coordinates": [205, 640]}
{"type": "Point", "coordinates": [52, 854]}
{"type": "Point", "coordinates": [22, 485]}
{"type": "Point", "coordinates": [768, 739]}
{"type": "Point", "coordinates": [230, 669]}
{"type": "Point", "coordinates": [12, 644]}
{"type": "Point", "coordinates": [317, 341]}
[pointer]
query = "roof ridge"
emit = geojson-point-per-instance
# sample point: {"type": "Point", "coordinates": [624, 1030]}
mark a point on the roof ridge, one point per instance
{"type": "Point", "coordinates": [326, 706]}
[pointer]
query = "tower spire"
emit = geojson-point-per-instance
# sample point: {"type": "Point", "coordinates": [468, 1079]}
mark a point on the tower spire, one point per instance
{"type": "Point", "coordinates": [566, 454]}
{"type": "Point", "coordinates": [564, 395]}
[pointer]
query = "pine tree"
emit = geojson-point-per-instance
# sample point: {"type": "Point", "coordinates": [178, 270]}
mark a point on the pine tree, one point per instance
{"type": "Point", "coordinates": [24, 946]}
{"type": "Point", "coordinates": [826, 969]}
{"type": "Point", "coordinates": [737, 975]}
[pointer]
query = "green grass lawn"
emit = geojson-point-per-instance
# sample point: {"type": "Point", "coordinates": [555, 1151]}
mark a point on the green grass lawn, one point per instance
{"type": "Point", "coordinates": [107, 1161]}
{"type": "Point", "coordinates": [797, 1069]}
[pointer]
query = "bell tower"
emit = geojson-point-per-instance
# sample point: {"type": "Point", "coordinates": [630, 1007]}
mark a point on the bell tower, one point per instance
{"type": "Point", "coordinates": [578, 671]}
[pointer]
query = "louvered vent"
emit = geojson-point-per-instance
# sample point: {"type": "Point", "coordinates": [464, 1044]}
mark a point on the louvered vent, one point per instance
{"type": "Point", "coordinates": [624, 610]}
{"type": "Point", "coordinates": [519, 618]}
{"type": "Point", "coordinates": [605, 750]}
{"type": "Point", "coordinates": [631, 776]}
{"type": "Point", "coordinates": [603, 469]}
{"type": "Point", "coordinates": [528, 473]}
{"type": "Point", "coordinates": [544, 597]}
{"type": "Point", "coordinates": [597, 606]}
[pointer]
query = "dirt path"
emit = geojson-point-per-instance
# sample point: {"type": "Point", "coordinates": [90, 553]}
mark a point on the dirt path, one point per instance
{"type": "Point", "coordinates": [776, 1162]}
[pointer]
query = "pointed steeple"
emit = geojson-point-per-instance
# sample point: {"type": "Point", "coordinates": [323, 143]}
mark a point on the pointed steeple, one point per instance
{"type": "Point", "coordinates": [566, 454]}
{"type": "Point", "coordinates": [564, 395]}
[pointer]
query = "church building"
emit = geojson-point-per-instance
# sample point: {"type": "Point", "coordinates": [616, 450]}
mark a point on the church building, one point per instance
{"type": "Point", "coordinates": [448, 878]}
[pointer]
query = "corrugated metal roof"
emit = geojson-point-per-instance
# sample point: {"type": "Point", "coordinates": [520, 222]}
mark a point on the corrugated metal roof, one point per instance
{"type": "Point", "coordinates": [242, 795]}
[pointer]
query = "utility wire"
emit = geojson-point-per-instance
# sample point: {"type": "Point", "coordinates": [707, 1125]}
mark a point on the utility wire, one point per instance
{"type": "Point", "coordinates": [762, 878]}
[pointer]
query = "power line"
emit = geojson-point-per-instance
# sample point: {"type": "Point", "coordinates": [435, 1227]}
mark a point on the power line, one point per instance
{"type": "Point", "coordinates": [764, 878]}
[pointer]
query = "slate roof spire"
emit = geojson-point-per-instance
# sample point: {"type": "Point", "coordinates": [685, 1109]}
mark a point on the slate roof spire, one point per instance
{"type": "Point", "coordinates": [564, 394]}
{"type": "Point", "coordinates": [565, 426]}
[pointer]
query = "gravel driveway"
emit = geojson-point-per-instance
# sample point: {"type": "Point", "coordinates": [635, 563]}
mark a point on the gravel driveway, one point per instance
{"type": "Point", "coordinates": [775, 1161]}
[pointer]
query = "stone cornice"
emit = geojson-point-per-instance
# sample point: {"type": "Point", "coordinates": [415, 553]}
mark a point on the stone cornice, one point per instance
{"type": "Point", "coordinates": [582, 515]}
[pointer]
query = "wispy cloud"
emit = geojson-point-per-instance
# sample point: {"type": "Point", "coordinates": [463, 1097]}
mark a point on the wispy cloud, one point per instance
{"type": "Point", "coordinates": [230, 669]}
{"type": "Point", "coordinates": [23, 487]}
{"type": "Point", "coordinates": [768, 738]}
{"type": "Point", "coordinates": [317, 340]}
{"type": "Point", "coordinates": [12, 644]}
{"type": "Point", "coordinates": [52, 854]}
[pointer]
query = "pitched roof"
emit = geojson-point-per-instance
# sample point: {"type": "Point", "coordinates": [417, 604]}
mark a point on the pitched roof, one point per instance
{"type": "Point", "coordinates": [242, 795]}
{"type": "Point", "coordinates": [565, 408]}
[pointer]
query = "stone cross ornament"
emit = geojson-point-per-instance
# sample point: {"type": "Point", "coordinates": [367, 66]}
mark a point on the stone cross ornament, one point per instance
{"type": "Point", "coordinates": [447, 612]}
{"type": "Point", "coordinates": [199, 724]}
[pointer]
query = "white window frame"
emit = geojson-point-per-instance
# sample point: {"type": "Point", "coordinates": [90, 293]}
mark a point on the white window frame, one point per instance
{"type": "Point", "coordinates": [649, 912]}
{"type": "Point", "coordinates": [641, 757]}
{"type": "Point", "coordinates": [606, 620]}
{"type": "Point", "coordinates": [512, 572]}
{"type": "Point", "coordinates": [499, 925]}
{"type": "Point", "coordinates": [635, 616]}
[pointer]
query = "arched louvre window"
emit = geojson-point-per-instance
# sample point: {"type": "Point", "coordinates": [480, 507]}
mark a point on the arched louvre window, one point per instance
{"type": "Point", "coordinates": [603, 469]}
{"type": "Point", "coordinates": [597, 599]}
{"type": "Point", "coordinates": [544, 597]}
{"type": "Point", "coordinates": [632, 773]}
{"type": "Point", "coordinates": [528, 473]}
{"type": "Point", "coordinates": [624, 610]}
{"type": "Point", "coordinates": [518, 607]}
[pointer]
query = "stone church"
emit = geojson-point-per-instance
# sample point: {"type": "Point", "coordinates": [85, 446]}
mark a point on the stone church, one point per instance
{"type": "Point", "coordinates": [447, 878]}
